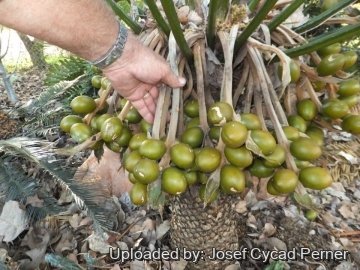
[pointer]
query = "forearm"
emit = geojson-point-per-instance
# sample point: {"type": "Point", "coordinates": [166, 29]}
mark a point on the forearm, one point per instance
{"type": "Point", "coordinates": [87, 28]}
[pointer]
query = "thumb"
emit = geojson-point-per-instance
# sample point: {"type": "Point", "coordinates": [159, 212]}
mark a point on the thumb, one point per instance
{"type": "Point", "coordinates": [172, 80]}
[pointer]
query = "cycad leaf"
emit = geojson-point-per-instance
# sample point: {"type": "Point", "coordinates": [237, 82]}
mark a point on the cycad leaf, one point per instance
{"type": "Point", "coordinates": [57, 92]}
{"type": "Point", "coordinates": [14, 184]}
{"type": "Point", "coordinates": [318, 20]}
{"type": "Point", "coordinates": [86, 192]}
{"type": "Point", "coordinates": [254, 23]}
{"type": "Point", "coordinates": [44, 114]}
{"type": "Point", "coordinates": [49, 208]}
{"type": "Point", "coordinates": [337, 35]}
{"type": "Point", "coordinates": [67, 69]}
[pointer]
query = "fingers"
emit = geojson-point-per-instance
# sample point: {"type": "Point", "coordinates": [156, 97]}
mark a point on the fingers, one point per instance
{"type": "Point", "coordinates": [144, 110]}
{"type": "Point", "coordinates": [172, 80]}
{"type": "Point", "coordinates": [154, 92]}
{"type": "Point", "coordinates": [149, 100]}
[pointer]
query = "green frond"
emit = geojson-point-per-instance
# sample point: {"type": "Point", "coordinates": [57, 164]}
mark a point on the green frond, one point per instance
{"type": "Point", "coordinates": [49, 208]}
{"type": "Point", "coordinates": [284, 14]}
{"type": "Point", "coordinates": [66, 70]}
{"type": "Point", "coordinates": [337, 35]}
{"type": "Point", "coordinates": [44, 98]}
{"type": "Point", "coordinates": [61, 262]}
{"type": "Point", "coordinates": [81, 87]}
{"type": "Point", "coordinates": [135, 27]}
{"type": "Point", "coordinates": [86, 192]}
{"type": "Point", "coordinates": [43, 115]}
{"type": "Point", "coordinates": [253, 4]}
{"type": "Point", "coordinates": [318, 20]}
{"type": "Point", "coordinates": [174, 23]}
{"type": "Point", "coordinates": [215, 7]}
{"type": "Point", "coordinates": [58, 92]}
{"type": "Point", "coordinates": [33, 150]}
{"type": "Point", "coordinates": [15, 185]}
{"type": "Point", "coordinates": [158, 17]}
{"type": "Point", "coordinates": [254, 23]}
{"type": "Point", "coordinates": [43, 123]}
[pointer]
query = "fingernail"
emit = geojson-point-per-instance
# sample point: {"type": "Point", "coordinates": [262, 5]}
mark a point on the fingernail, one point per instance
{"type": "Point", "coordinates": [182, 81]}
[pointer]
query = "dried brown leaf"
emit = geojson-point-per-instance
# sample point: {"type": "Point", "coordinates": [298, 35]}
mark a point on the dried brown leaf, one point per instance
{"type": "Point", "coordinates": [13, 221]}
{"type": "Point", "coordinates": [346, 211]}
{"type": "Point", "coordinates": [268, 230]}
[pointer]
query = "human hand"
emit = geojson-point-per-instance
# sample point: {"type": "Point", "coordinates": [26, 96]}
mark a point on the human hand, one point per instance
{"type": "Point", "coordinates": [137, 74]}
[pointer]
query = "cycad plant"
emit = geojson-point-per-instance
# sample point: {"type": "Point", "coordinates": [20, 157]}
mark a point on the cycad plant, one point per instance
{"type": "Point", "coordinates": [65, 80]}
{"type": "Point", "coordinates": [17, 185]}
{"type": "Point", "coordinates": [260, 90]}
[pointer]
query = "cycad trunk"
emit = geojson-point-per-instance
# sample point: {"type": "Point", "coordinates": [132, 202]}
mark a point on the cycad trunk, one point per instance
{"type": "Point", "coordinates": [203, 229]}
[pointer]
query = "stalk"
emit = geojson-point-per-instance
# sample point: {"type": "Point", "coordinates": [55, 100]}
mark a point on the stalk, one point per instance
{"type": "Point", "coordinates": [218, 9]}
{"type": "Point", "coordinates": [208, 96]}
{"type": "Point", "coordinates": [240, 87]}
{"type": "Point", "coordinates": [211, 22]}
{"type": "Point", "coordinates": [228, 42]}
{"type": "Point", "coordinates": [123, 16]}
{"type": "Point", "coordinates": [155, 42]}
{"type": "Point", "coordinates": [310, 90]}
{"type": "Point", "coordinates": [213, 182]}
{"type": "Point", "coordinates": [290, 99]}
{"type": "Point", "coordinates": [200, 87]}
{"type": "Point", "coordinates": [190, 82]}
{"type": "Point", "coordinates": [173, 20]}
{"type": "Point", "coordinates": [284, 59]}
{"type": "Point", "coordinates": [253, 4]}
{"type": "Point", "coordinates": [102, 102]}
{"type": "Point", "coordinates": [317, 20]}
{"type": "Point", "coordinates": [275, 22]}
{"type": "Point", "coordinates": [264, 85]}
{"type": "Point", "coordinates": [175, 103]}
{"type": "Point", "coordinates": [156, 196]}
{"type": "Point", "coordinates": [299, 39]}
{"type": "Point", "coordinates": [258, 102]}
{"type": "Point", "coordinates": [122, 115]}
{"type": "Point", "coordinates": [180, 128]}
{"type": "Point", "coordinates": [284, 35]}
{"type": "Point", "coordinates": [158, 17]}
{"type": "Point", "coordinates": [249, 94]}
{"type": "Point", "coordinates": [324, 40]}
{"type": "Point", "coordinates": [161, 112]}
{"type": "Point", "coordinates": [255, 22]}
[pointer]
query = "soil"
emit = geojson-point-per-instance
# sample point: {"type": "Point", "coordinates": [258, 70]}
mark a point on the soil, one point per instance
{"type": "Point", "coordinates": [69, 234]}
{"type": "Point", "coordinates": [9, 127]}
{"type": "Point", "coordinates": [27, 84]}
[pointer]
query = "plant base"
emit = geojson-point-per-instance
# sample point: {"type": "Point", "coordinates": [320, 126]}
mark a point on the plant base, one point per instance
{"type": "Point", "coordinates": [197, 228]}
